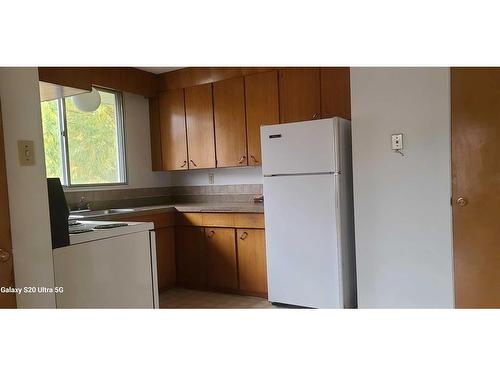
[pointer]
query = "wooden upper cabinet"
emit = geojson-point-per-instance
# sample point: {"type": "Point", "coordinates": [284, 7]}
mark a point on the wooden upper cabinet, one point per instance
{"type": "Point", "coordinates": [262, 108]}
{"type": "Point", "coordinates": [230, 128]}
{"type": "Point", "coordinates": [299, 90]}
{"type": "Point", "coordinates": [221, 258]}
{"type": "Point", "coordinates": [335, 92]}
{"type": "Point", "coordinates": [155, 134]}
{"type": "Point", "coordinates": [173, 130]}
{"type": "Point", "coordinates": [200, 126]}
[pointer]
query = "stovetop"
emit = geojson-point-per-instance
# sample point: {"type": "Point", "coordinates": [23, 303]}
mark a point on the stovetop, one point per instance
{"type": "Point", "coordinates": [76, 227]}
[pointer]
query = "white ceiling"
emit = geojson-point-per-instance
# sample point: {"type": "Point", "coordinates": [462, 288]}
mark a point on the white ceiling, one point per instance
{"type": "Point", "coordinates": [158, 69]}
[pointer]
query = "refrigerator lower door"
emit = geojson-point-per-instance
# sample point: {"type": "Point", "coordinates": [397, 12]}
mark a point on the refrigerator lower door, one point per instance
{"type": "Point", "coordinates": [301, 240]}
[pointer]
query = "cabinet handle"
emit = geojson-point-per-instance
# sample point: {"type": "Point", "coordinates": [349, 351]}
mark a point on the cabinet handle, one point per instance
{"type": "Point", "coordinates": [4, 256]}
{"type": "Point", "coordinates": [253, 158]}
{"type": "Point", "coordinates": [315, 115]}
{"type": "Point", "coordinates": [243, 235]}
{"type": "Point", "coordinates": [193, 162]}
{"type": "Point", "coordinates": [210, 234]}
{"type": "Point", "coordinates": [242, 159]}
{"type": "Point", "coordinates": [184, 164]}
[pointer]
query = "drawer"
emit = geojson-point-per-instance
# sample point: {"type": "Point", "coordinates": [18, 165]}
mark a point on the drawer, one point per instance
{"type": "Point", "coordinates": [221, 220]}
{"type": "Point", "coordinates": [189, 218]}
{"type": "Point", "coordinates": [249, 220]}
{"type": "Point", "coordinates": [218, 220]}
{"type": "Point", "coordinates": [159, 220]}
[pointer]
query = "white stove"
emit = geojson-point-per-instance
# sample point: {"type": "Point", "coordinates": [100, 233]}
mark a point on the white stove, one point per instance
{"type": "Point", "coordinates": [84, 230]}
{"type": "Point", "coordinates": [108, 264]}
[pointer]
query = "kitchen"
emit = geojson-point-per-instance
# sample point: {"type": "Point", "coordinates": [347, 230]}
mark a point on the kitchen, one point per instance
{"type": "Point", "coordinates": [196, 154]}
{"type": "Point", "coordinates": [207, 238]}
{"type": "Point", "coordinates": [254, 187]}
{"type": "Point", "coordinates": [385, 184]}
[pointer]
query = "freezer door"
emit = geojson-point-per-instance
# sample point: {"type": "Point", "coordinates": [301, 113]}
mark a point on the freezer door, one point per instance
{"type": "Point", "coordinates": [301, 240]}
{"type": "Point", "coordinates": [302, 147]}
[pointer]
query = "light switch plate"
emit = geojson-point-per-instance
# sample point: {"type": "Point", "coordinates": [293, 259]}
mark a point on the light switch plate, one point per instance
{"type": "Point", "coordinates": [26, 152]}
{"type": "Point", "coordinates": [211, 178]}
{"type": "Point", "coordinates": [397, 141]}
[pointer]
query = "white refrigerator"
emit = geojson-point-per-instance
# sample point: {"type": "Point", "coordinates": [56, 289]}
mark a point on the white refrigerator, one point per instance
{"type": "Point", "coordinates": [308, 206]}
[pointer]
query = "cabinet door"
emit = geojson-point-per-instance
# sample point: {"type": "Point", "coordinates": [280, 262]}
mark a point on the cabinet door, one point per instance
{"type": "Point", "coordinates": [230, 128]}
{"type": "Point", "coordinates": [155, 134]}
{"type": "Point", "coordinates": [299, 94]}
{"type": "Point", "coordinates": [262, 108]}
{"type": "Point", "coordinates": [173, 130]}
{"type": "Point", "coordinates": [221, 258]}
{"type": "Point", "coordinates": [200, 126]}
{"type": "Point", "coordinates": [252, 260]}
{"type": "Point", "coordinates": [190, 257]}
{"type": "Point", "coordinates": [165, 257]}
{"type": "Point", "coordinates": [335, 92]}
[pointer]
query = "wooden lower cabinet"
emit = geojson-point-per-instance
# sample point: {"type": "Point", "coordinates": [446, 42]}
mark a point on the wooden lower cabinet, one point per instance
{"type": "Point", "coordinates": [190, 257]}
{"type": "Point", "coordinates": [165, 257]}
{"type": "Point", "coordinates": [219, 251]}
{"type": "Point", "coordinates": [252, 266]}
{"type": "Point", "coordinates": [221, 258]}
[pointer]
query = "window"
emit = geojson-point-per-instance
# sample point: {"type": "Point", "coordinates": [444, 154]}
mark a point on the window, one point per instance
{"type": "Point", "coordinates": [85, 148]}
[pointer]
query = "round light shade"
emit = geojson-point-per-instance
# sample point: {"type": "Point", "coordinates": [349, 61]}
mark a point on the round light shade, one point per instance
{"type": "Point", "coordinates": [88, 102]}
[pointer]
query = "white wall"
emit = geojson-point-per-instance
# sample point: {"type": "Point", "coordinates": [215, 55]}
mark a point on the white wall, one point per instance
{"type": "Point", "coordinates": [222, 176]}
{"type": "Point", "coordinates": [137, 146]}
{"type": "Point", "coordinates": [402, 204]}
{"type": "Point", "coordinates": [29, 211]}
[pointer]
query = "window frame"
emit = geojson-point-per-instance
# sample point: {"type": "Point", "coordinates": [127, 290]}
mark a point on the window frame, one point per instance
{"type": "Point", "coordinates": [120, 135]}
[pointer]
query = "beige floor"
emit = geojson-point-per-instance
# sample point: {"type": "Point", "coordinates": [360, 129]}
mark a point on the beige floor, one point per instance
{"type": "Point", "coordinates": [178, 298]}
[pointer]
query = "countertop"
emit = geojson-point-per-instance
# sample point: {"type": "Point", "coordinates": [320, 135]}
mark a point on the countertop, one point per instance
{"type": "Point", "coordinates": [175, 207]}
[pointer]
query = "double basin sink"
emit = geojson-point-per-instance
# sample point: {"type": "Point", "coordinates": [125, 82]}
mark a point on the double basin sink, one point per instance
{"type": "Point", "coordinates": [194, 207]}
{"type": "Point", "coordinates": [84, 214]}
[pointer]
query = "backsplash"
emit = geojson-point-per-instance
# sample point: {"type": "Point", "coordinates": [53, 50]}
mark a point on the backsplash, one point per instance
{"type": "Point", "coordinates": [216, 193]}
{"type": "Point", "coordinates": [119, 198]}
{"type": "Point", "coordinates": [122, 198]}
{"type": "Point", "coordinates": [222, 176]}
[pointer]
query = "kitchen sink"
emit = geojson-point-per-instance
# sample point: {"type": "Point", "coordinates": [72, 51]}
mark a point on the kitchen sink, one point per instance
{"type": "Point", "coordinates": [96, 213]}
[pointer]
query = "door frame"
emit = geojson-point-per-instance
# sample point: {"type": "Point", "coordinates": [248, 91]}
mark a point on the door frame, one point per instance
{"type": "Point", "coordinates": [6, 257]}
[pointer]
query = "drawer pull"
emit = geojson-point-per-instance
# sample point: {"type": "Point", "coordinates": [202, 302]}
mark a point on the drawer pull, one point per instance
{"type": "Point", "coordinates": [253, 158]}
{"type": "Point", "coordinates": [242, 159]}
{"type": "Point", "coordinates": [243, 236]}
{"type": "Point", "coordinates": [184, 164]}
{"type": "Point", "coordinates": [210, 234]}
{"type": "Point", "coordinates": [192, 162]}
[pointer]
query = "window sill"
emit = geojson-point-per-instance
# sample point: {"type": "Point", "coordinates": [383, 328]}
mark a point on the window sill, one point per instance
{"type": "Point", "coordinates": [76, 188]}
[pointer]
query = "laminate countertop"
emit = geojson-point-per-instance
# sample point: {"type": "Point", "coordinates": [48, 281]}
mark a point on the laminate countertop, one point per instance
{"type": "Point", "coordinates": [116, 214]}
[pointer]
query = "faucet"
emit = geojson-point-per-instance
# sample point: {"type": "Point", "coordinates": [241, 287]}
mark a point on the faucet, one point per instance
{"type": "Point", "coordinates": [84, 204]}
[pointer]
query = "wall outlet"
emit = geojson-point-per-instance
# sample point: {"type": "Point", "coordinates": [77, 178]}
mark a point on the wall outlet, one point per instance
{"type": "Point", "coordinates": [26, 152]}
{"type": "Point", "coordinates": [211, 178]}
{"type": "Point", "coordinates": [397, 141]}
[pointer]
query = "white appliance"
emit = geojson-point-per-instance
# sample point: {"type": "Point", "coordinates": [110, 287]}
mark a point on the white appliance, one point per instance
{"type": "Point", "coordinates": [107, 267]}
{"type": "Point", "coordinates": [309, 213]}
